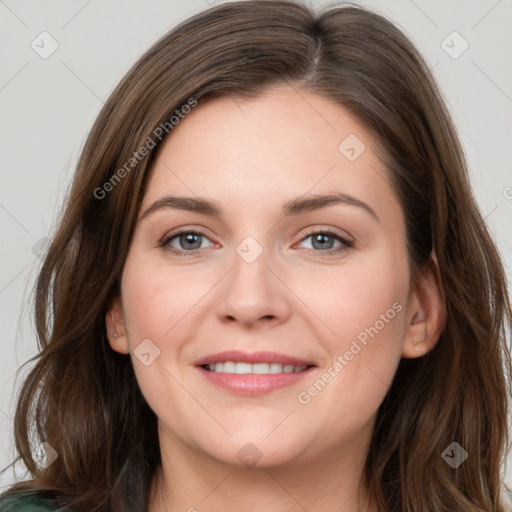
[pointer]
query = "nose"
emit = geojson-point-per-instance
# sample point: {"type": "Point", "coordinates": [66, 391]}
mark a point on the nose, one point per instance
{"type": "Point", "coordinates": [254, 293]}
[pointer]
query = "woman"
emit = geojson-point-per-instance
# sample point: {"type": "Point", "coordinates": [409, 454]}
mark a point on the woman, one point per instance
{"type": "Point", "coordinates": [334, 338]}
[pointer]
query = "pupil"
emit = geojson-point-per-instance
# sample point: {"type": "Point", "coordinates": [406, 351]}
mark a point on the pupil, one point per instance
{"type": "Point", "coordinates": [320, 238]}
{"type": "Point", "coordinates": [189, 238]}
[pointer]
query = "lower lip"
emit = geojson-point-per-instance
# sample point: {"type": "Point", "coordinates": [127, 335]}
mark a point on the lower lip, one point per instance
{"type": "Point", "coordinates": [254, 384]}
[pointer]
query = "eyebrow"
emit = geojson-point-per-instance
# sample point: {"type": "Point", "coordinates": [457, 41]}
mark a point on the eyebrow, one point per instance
{"type": "Point", "coordinates": [293, 207]}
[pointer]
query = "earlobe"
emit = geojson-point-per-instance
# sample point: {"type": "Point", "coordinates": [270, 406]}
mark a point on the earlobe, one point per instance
{"type": "Point", "coordinates": [116, 332]}
{"type": "Point", "coordinates": [426, 315]}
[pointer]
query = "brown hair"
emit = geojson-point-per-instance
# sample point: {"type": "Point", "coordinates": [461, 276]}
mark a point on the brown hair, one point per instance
{"type": "Point", "coordinates": [82, 397]}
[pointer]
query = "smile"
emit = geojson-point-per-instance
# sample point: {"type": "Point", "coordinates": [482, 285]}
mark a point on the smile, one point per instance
{"type": "Point", "coordinates": [258, 368]}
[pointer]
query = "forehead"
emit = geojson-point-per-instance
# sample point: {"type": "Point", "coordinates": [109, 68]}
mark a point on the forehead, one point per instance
{"type": "Point", "coordinates": [250, 154]}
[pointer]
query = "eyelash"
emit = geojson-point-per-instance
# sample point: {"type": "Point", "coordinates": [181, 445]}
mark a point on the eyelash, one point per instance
{"type": "Point", "coordinates": [347, 244]}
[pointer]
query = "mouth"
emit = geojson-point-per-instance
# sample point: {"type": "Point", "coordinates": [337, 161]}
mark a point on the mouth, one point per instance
{"type": "Point", "coordinates": [254, 373]}
{"type": "Point", "coordinates": [239, 368]}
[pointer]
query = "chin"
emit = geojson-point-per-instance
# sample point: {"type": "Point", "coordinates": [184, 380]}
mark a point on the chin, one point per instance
{"type": "Point", "coordinates": [258, 453]}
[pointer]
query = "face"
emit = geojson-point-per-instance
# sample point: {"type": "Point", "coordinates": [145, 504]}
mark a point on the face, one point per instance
{"type": "Point", "coordinates": [317, 292]}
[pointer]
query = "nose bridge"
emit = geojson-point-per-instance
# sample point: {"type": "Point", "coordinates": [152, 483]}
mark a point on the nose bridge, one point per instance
{"type": "Point", "coordinates": [251, 277]}
{"type": "Point", "coordinates": [252, 291]}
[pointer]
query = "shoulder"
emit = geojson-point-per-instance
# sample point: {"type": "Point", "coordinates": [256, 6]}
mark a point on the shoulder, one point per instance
{"type": "Point", "coordinates": [27, 502]}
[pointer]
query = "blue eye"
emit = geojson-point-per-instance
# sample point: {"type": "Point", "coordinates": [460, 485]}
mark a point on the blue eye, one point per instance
{"type": "Point", "coordinates": [190, 242]}
{"type": "Point", "coordinates": [324, 240]}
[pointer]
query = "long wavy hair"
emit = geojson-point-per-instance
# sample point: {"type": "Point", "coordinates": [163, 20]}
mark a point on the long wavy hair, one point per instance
{"type": "Point", "coordinates": [82, 398]}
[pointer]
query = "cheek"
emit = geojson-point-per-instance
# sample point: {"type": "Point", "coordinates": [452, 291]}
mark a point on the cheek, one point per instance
{"type": "Point", "coordinates": [158, 305]}
{"type": "Point", "coordinates": [364, 308]}
{"type": "Point", "coordinates": [362, 296]}
{"type": "Point", "coordinates": [158, 300]}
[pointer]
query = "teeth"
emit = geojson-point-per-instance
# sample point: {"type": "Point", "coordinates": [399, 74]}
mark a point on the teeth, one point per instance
{"type": "Point", "coordinates": [276, 368]}
{"type": "Point", "coordinates": [243, 368]}
{"type": "Point", "coordinates": [258, 368]}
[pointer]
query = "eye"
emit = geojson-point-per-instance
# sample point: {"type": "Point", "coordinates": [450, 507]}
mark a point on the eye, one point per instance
{"type": "Point", "coordinates": [322, 242]}
{"type": "Point", "coordinates": [189, 241]}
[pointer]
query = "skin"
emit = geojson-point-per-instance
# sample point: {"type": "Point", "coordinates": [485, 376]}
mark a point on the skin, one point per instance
{"type": "Point", "coordinates": [251, 156]}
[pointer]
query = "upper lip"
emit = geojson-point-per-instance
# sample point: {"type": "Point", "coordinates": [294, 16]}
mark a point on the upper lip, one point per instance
{"type": "Point", "coordinates": [252, 358]}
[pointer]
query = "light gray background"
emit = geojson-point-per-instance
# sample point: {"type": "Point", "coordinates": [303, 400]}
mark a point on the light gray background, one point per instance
{"type": "Point", "coordinates": [48, 106]}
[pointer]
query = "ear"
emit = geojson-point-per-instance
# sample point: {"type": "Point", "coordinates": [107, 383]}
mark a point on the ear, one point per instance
{"type": "Point", "coordinates": [116, 330]}
{"type": "Point", "coordinates": [426, 313]}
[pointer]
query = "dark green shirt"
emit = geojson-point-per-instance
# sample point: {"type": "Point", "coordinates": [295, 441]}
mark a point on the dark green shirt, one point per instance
{"type": "Point", "coordinates": [28, 503]}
